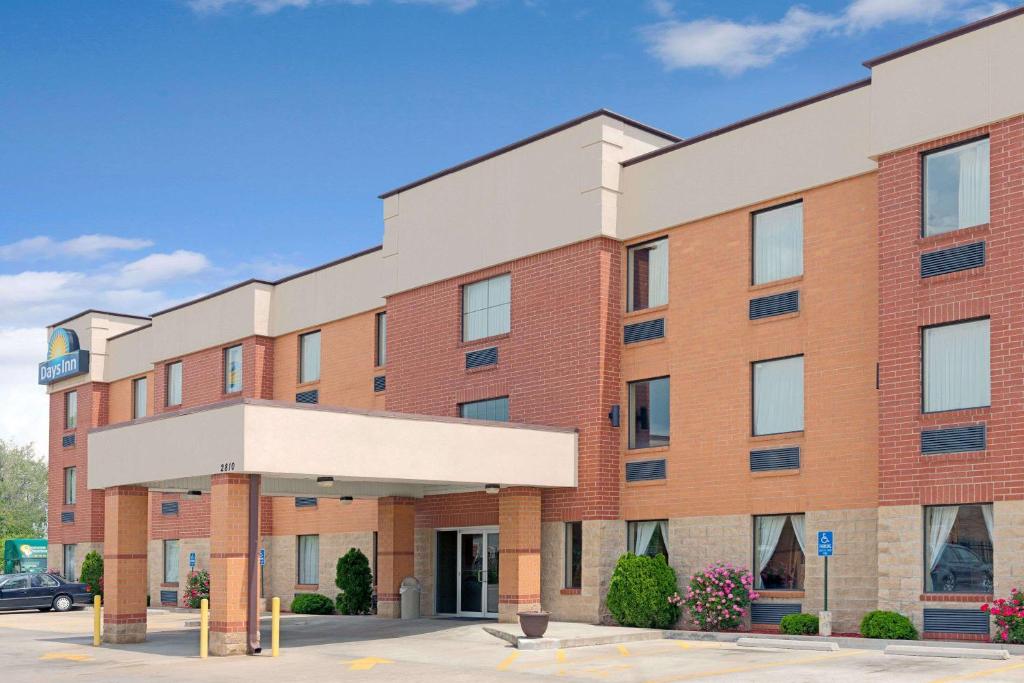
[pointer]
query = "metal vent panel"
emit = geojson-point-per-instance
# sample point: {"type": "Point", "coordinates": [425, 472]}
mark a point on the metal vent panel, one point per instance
{"type": "Point", "coordinates": [963, 257]}
{"type": "Point", "coordinates": [775, 304]}
{"type": "Point", "coordinates": [168, 597]}
{"type": "Point", "coordinates": [312, 396]}
{"type": "Point", "coordinates": [643, 331]}
{"type": "Point", "coordinates": [169, 508]}
{"type": "Point", "coordinates": [67, 518]}
{"type": "Point", "coordinates": [305, 502]}
{"type": "Point", "coordinates": [380, 383]}
{"type": "Point", "coordinates": [775, 459]}
{"type": "Point", "coordinates": [645, 470]}
{"type": "Point", "coordinates": [482, 358]}
{"type": "Point", "coordinates": [772, 612]}
{"type": "Point", "coordinates": [956, 621]}
{"type": "Point", "coordinates": [67, 440]}
{"type": "Point", "coordinates": [968, 439]}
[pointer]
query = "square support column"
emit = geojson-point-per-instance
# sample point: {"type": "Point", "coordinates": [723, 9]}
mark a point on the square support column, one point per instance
{"type": "Point", "coordinates": [229, 559]}
{"type": "Point", "coordinates": [126, 528]}
{"type": "Point", "coordinates": [519, 559]}
{"type": "Point", "coordinates": [396, 519]}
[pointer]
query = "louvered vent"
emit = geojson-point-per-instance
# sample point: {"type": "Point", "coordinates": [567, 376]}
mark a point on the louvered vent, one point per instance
{"type": "Point", "coordinates": [645, 470]}
{"type": "Point", "coordinates": [168, 597]}
{"type": "Point", "coordinates": [67, 518]}
{"type": "Point", "coordinates": [481, 358]}
{"type": "Point", "coordinates": [169, 508]}
{"type": "Point", "coordinates": [648, 329]}
{"type": "Point", "coordinates": [772, 612]}
{"type": "Point", "coordinates": [954, 259]}
{"type": "Point", "coordinates": [308, 396]}
{"type": "Point", "coordinates": [776, 304]}
{"type": "Point", "coordinates": [305, 502]}
{"type": "Point", "coordinates": [953, 440]}
{"type": "Point", "coordinates": [775, 459]}
{"type": "Point", "coordinates": [956, 621]}
{"type": "Point", "coordinates": [380, 383]}
{"type": "Point", "coordinates": [67, 440]}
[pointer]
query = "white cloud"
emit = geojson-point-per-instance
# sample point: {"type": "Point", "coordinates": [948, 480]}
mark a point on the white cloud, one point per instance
{"type": "Point", "coordinates": [663, 8]}
{"type": "Point", "coordinates": [84, 246]}
{"type": "Point", "coordinates": [25, 406]}
{"type": "Point", "coordinates": [157, 268]}
{"type": "Point", "coordinates": [272, 6]}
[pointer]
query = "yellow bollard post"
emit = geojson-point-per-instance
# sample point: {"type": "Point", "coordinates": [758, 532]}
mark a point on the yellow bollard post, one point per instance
{"type": "Point", "coordinates": [97, 603]}
{"type": "Point", "coordinates": [204, 627]}
{"type": "Point", "coordinates": [275, 626]}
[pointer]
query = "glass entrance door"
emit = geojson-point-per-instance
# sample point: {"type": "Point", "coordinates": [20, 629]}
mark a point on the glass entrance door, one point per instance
{"type": "Point", "coordinates": [478, 572]}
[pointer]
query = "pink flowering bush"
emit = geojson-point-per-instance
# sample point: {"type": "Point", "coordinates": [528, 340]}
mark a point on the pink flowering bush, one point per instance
{"type": "Point", "coordinates": [197, 588]}
{"type": "Point", "coordinates": [1009, 616]}
{"type": "Point", "coordinates": [719, 597]}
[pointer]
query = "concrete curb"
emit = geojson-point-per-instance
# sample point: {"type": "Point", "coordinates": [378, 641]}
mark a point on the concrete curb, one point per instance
{"type": "Point", "coordinates": [523, 643]}
{"type": "Point", "coordinates": [843, 641]}
{"type": "Point", "coordinates": [785, 644]}
{"type": "Point", "coordinates": [960, 652]}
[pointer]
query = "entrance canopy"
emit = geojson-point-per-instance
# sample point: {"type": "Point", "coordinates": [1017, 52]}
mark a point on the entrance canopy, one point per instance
{"type": "Point", "coordinates": [368, 453]}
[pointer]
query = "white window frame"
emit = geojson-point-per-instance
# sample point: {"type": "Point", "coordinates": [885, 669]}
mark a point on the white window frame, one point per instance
{"type": "Point", "coordinates": [306, 374]}
{"type": "Point", "coordinates": [174, 382]}
{"type": "Point", "coordinates": [930, 402]}
{"type": "Point", "coordinates": [70, 485]}
{"type": "Point", "coordinates": [496, 307]}
{"type": "Point", "coordinates": [657, 292]}
{"type": "Point", "coordinates": [137, 395]}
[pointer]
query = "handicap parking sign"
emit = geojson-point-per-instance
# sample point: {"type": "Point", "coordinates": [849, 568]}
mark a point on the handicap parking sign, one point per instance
{"type": "Point", "coordinates": [263, 556]}
{"type": "Point", "coordinates": [824, 543]}
{"type": "Point", "coordinates": [192, 560]}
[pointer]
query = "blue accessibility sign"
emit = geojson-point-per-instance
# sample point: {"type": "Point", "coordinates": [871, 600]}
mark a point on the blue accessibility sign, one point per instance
{"type": "Point", "coordinates": [263, 556]}
{"type": "Point", "coordinates": [824, 544]}
{"type": "Point", "coordinates": [192, 560]}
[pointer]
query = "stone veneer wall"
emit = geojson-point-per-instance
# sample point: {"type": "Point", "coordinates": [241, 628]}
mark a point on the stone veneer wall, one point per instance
{"type": "Point", "coordinates": [282, 558]}
{"type": "Point", "coordinates": [604, 541]}
{"type": "Point", "coordinates": [155, 568]}
{"type": "Point", "coordinates": [55, 555]}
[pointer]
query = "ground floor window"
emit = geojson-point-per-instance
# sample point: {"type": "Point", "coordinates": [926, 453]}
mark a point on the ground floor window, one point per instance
{"type": "Point", "coordinates": [573, 554]}
{"type": "Point", "coordinates": [779, 552]}
{"type": "Point", "coordinates": [309, 559]}
{"type": "Point", "coordinates": [171, 561]}
{"type": "Point", "coordinates": [70, 570]}
{"type": "Point", "coordinates": [958, 549]}
{"type": "Point", "coordinates": [648, 538]}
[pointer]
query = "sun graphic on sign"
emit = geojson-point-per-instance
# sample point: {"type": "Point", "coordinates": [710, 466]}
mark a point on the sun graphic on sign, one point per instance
{"type": "Point", "coordinates": [62, 342]}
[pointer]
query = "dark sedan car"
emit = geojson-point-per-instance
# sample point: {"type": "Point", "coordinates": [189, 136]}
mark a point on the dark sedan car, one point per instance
{"type": "Point", "coordinates": [41, 591]}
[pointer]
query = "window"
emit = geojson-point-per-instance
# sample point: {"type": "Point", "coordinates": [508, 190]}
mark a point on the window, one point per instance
{"type": "Point", "coordinates": [233, 369]}
{"type": "Point", "coordinates": [309, 560]}
{"type": "Point", "coordinates": [779, 396]}
{"type": "Point", "coordinates": [171, 556]}
{"type": "Point", "coordinates": [956, 187]}
{"type": "Point", "coordinates": [490, 409]}
{"type": "Point", "coordinates": [958, 549]}
{"type": "Point", "coordinates": [647, 279]}
{"type": "Point", "coordinates": [309, 357]}
{"type": "Point", "coordinates": [779, 552]}
{"type": "Point", "coordinates": [956, 366]}
{"type": "Point", "coordinates": [173, 372]}
{"type": "Point", "coordinates": [43, 581]}
{"type": "Point", "coordinates": [71, 410]}
{"type": "Point", "coordinates": [573, 554]}
{"type": "Point", "coordinates": [778, 243]}
{"type": "Point", "coordinates": [649, 413]}
{"type": "Point", "coordinates": [486, 308]}
{"type": "Point", "coordinates": [139, 402]}
{"type": "Point", "coordinates": [70, 570]}
{"type": "Point", "coordinates": [381, 353]}
{"type": "Point", "coordinates": [70, 481]}
{"type": "Point", "coordinates": [648, 538]}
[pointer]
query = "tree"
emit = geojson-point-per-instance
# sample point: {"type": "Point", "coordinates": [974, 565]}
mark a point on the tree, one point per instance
{"type": "Point", "coordinates": [22, 493]}
{"type": "Point", "coordinates": [355, 580]}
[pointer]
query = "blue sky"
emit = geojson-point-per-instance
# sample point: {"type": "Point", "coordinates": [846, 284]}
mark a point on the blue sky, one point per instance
{"type": "Point", "coordinates": [158, 149]}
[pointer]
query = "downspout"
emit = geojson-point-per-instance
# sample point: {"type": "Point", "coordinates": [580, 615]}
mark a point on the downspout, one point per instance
{"type": "Point", "coordinates": [252, 608]}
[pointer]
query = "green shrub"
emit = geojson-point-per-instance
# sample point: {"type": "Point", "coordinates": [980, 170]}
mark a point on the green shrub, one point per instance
{"type": "Point", "coordinates": [799, 625]}
{"type": "Point", "coordinates": [640, 590]}
{"type": "Point", "coordinates": [312, 603]}
{"type": "Point", "coordinates": [354, 578]}
{"type": "Point", "coordinates": [888, 625]}
{"type": "Point", "coordinates": [92, 573]}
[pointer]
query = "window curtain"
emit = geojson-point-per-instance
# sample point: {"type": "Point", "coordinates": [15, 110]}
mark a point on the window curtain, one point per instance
{"type": "Point", "coordinates": [309, 559]}
{"type": "Point", "coordinates": [769, 529]}
{"type": "Point", "coordinates": [658, 274]}
{"type": "Point", "coordinates": [986, 512]}
{"type": "Point", "coordinates": [644, 534]}
{"type": "Point", "coordinates": [311, 357]}
{"type": "Point", "coordinates": [663, 528]}
{"type": "Point", "coordinates": [174, 384]}
{"type": "Point", "coordinates": [171, 555]}
{"type": "Point", "coordinates": [779, 243]}
{"type": "Point", "coordinates": [956, 373]}
{"type": "Point", "coordinates": [940, 522]}
{"type": "Point", "coordinates": [799, 528]}
{"type": "Point", "coordinates": [779, 396]}
{"type": "Point", "coordinates": [973, 194]}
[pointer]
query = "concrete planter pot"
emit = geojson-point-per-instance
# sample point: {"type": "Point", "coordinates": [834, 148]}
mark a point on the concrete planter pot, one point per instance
{"type": "Point", "coordinates": [534, 624]}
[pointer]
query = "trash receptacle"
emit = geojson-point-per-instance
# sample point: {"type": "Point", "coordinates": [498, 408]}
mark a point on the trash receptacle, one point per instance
{"type": "Point", "coordinates": [410, 594]}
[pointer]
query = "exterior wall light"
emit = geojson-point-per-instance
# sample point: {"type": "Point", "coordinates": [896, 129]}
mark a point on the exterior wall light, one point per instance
{"type": "Point", "coordinates": [325, 482]}
{"type": "Point", "coordinates": [492, 488]}
{"type": "Point", "coordinates": [192, 495]}
{"type": "Point", "coordinates": [346, 500]}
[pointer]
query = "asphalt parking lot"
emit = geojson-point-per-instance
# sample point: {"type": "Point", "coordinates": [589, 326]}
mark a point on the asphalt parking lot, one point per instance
{"type": "Point", "coordinates": [35, 646]}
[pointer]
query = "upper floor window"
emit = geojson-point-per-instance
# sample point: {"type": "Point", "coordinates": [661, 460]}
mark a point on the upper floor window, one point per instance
{"type": "Point", "coordinates": [956, 366]}
{"type": "Point", "coordinates": [958, 548]}
{"type": "Point", "coordinates": [490, 409]}
{"type": "Point", "coordinates": [649, 413]}
{"type": "Point", "coordinates": [779, 396]}
{"type": "Point", "coordinates": [71, 410]}
{"type": "Point", "coordinates": [486, 308]}
{"type": "Point", "coordinates": [648, 538]}
{"type": "Point", "coordinates": [233, 369]}
{"type": "Point", "coordinates": [173, 372]}
{"type": "Point", "coordinates": [647, 276]}
{"type": "Point", "coordinates": [779, 552]}
{"type": "Point", "coordinates": [70, 484]}
{"type": "Point", "coordinates": [381, 348]}
{"type": "Point", "coordinates": [778, 243]}
{"type": "Point", "coordinates": [956, 187]}
{"type": "Point", "coordinates": [140, 389]}
{"type": "Point", "coordinates": [309, 357]}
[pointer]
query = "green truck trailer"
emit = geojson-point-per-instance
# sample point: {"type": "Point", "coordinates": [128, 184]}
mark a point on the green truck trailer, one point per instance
{"type": "Point", "coordinates": [24, 555]}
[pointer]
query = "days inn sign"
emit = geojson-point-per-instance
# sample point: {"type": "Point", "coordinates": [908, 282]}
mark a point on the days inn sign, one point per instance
{"type": "Point", "coordinates": [63, 358]}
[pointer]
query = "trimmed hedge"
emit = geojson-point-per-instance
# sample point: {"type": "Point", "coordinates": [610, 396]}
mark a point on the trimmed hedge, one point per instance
{"type": "Point", "coordinates": [353, 577]}
{"type": "Point", "coordinates": [887, 625]}
{"type": "Point", "coordinates": [91, 573]}
{"type": "Point", "coordinates": [312, 603]}
{"type": "Point", "coordinates": [799, 625]}
{"type": "Point", "coordinates": [640, 590]}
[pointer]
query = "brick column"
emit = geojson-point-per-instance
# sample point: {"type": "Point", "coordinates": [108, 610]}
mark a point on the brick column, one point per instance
{"type": "Point", "coordinates": [519, 563]}
{"type": "Point", "coordinates": [126, 511]}
{"type": "Point", "coordinates": [229, 556]}
{"type": "Point", "coordinates": [396, 519]}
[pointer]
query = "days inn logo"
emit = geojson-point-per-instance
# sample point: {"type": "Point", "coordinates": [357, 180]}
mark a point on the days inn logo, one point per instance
{"type": "Point", "coordinates": [64, 358]}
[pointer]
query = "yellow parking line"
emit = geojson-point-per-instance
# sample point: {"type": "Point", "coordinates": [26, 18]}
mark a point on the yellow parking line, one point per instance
{"type": "Point", "coordinates": [756, 667]}
{"type": "Point", "coordinates": [560, 655]}
{"type": "Point", "coordinates": [507, 662]}
{"type": "Point", "coordinates": [623, 650]}
{"type": "Point", "coordinates": [69, 656]}
{"type": "Point", "coordinates": [980, 674]}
